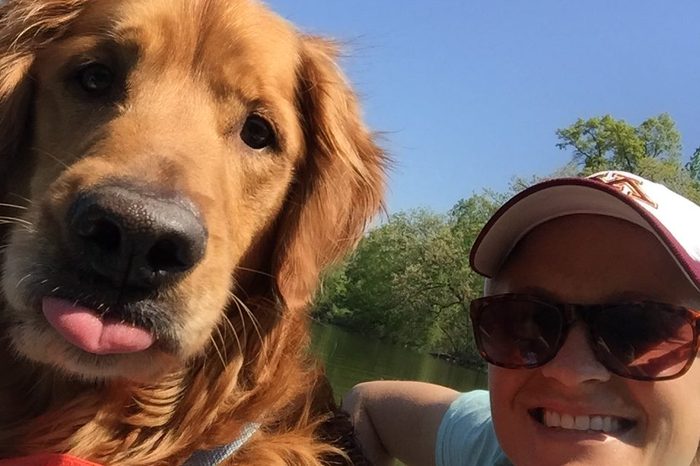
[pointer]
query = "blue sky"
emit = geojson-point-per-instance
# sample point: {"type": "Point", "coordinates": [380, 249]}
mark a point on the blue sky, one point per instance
{"type": "Point", "coordinates": [469, 93]}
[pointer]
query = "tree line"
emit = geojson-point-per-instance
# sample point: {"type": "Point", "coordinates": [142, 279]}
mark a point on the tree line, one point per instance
{"type": "Point", "coordinates": [409, 281]}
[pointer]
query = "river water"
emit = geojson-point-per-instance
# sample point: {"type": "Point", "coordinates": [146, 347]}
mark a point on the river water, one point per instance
{"type": "Point", "coordinates": [351, 358]}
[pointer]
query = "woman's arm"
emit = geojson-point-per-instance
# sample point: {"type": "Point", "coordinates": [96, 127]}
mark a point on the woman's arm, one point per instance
{"type": "Point", "coordinates": [397, 419]}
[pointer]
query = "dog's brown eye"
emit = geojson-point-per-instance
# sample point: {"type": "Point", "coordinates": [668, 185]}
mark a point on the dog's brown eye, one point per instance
{"type": "Point", "coordinates": [95, 78]}
{"type": "Point", "coordinates": [257, 132]}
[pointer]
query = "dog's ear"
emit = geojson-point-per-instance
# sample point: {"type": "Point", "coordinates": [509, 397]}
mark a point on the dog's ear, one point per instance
{"type": "Point", "coordinates": [26, 26]}
{"type": "Point", "coordinates": [339, 186]}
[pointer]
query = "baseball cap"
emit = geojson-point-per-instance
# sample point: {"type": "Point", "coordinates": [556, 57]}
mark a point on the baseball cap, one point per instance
{"type": "Point", "coordinates": [672, 218]}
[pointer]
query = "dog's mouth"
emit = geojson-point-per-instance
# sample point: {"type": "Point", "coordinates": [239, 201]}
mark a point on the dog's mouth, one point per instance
{"type": "Point", "coordinates": [109, 281]}
{"type": "Point", "coordinates": [92, 315]}
{"type": "Point", "coordinates": [105, 289]}
{"type": "Point", "coordinates": [91, 332]}
{"type": "Point", "coordinates": [95, 332]}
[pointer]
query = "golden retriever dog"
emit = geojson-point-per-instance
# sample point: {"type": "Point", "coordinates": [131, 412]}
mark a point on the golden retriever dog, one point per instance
{"type": "Point", "coordinates": [175, 174]}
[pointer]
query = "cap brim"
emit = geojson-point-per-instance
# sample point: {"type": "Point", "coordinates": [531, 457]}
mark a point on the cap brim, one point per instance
{"type": "Point", "coordinates": [558, 198]}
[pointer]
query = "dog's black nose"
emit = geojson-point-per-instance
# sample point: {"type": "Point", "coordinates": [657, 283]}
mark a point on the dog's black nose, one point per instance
{"type": "Point", "coordinates": [136, 238]}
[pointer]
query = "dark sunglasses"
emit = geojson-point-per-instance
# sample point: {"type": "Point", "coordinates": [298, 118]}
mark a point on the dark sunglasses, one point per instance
{"type": "Point", "coordinates": [636, 340]}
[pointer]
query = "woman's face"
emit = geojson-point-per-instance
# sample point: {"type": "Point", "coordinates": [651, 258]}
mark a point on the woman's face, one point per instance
{"type": "Point", "coordinates": [590, 259]}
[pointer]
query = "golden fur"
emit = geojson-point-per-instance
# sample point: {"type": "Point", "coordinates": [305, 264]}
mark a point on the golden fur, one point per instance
{"type": "Point", "coordinates": [191, 72]}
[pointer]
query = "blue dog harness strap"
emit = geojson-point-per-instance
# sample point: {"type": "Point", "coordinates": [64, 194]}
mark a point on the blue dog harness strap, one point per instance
{"type": "Point", "coordinates": [217, 455]}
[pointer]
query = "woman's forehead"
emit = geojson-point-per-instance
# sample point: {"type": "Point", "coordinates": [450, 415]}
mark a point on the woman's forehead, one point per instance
{"type": "Point", "coordinates": [594, 258]}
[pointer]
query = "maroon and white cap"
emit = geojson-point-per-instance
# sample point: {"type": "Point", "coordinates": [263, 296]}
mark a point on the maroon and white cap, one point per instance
{"type": "Point", "coordinates": [673, 219]}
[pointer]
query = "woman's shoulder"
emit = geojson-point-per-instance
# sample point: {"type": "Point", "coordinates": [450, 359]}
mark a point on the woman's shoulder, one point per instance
{"type": "Point", "coordinates": [466, 436]}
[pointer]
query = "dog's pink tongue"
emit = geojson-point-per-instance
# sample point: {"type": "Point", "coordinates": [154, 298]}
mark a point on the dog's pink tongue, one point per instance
{"type": "Point", "coordinates": [83, 328]}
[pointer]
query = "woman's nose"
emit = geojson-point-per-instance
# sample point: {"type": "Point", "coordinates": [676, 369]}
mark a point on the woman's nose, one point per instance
{"type": "Point", "coordinates": [575, 363]}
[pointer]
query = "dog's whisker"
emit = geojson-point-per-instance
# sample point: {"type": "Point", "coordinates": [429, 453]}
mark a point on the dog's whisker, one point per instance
{"type": "Point", "coordinates": [256, 324]}
{"type": "Point", "coordinates": [240, 306]}
{"type": "Point", "coordinates": [27, 230]}
{"type": "Point", "coordinates": [105, 312]}
{"type": "Point", "coordinates": [234, 297]}
{"type": "Point", "coordinates": [253, 319]}
{"type": "Point", "coordinates": [15, 220]}
{"type": "Point", "coordinates": [25, 225]}
{"type": "Point", "coordinates": [242, 318]}
{"type": "Point", "coordinates": [22, 198]}
{"type": "Point", "coordinates": [19, 282]}
{"type": "Point", "coordinates": [216, 347]}
{"type": "Point", "coordinates": [223, 342]}
{"type": "Point", "coordinates": [51, 156]}
{"type": "Point", "coordinates": [259, 272]}
{"type": "Point", "coordinates": [235, 333]}
{"type": "Point", "coordinates": [13, 206]}
{"type": "Point", "coordinates": [55, 290]}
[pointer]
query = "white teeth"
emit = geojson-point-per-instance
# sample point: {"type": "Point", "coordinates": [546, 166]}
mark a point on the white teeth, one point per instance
{"type": "Point", "coordinates": [552, 419]}
{"type": "Point", "coordinates": [567, 421]}
{"type": "Point", "coordinates": [582, 422]}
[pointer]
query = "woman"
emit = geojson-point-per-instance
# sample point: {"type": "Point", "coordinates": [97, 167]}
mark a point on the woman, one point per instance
{"type": "Point", "coordinates": [590, 328]}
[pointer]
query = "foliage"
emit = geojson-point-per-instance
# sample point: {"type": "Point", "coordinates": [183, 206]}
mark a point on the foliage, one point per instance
{"type": "Point", "coordinates": [693, 166]}
{"type": "Point", "coordinates": [652, 149]}
{"type": "Point", "coordinates": [409, 281]}
{"type": "Point", "coordinates": [604, 143]}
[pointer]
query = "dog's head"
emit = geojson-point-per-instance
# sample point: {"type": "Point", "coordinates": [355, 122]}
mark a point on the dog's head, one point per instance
{"type": "Point", "coordinates": [152, 153]}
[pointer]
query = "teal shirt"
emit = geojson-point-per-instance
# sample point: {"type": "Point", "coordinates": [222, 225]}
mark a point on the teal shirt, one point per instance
{"type": "Point", "coordinates": [466, 436]}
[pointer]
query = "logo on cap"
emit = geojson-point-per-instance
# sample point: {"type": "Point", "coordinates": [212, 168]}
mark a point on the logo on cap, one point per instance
{"type": "Point", "coordinates": [626, 185]}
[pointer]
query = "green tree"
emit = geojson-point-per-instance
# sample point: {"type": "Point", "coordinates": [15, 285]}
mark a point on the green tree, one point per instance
{"type": "Point", "coordinates": [398, 279]}
{"type": "Point", "coordinates": [329, 301]}
{"type": "Point", "coordinates": [693, 166]}
{"type": "Point", "coordinates": [605, 143]}
{"type": "Point", "coordinates": [653, 150]}
{"type": "Point", "coordinates": [660, 137]}
{"type": "Point", "coordinates": [409, 280]}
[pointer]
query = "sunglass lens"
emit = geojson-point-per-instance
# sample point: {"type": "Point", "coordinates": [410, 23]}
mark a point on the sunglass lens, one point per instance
{"type": "Point", "coordinates": [643, 341]}
{"type": "Point", "coordinates": [518, 333]}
